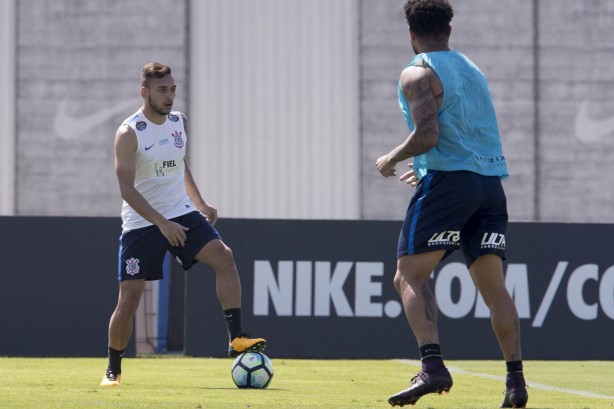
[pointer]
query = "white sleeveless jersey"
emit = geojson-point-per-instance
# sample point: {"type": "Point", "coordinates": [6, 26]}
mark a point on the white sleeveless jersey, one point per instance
{"type": "Point", "coordinates": [160, 168]}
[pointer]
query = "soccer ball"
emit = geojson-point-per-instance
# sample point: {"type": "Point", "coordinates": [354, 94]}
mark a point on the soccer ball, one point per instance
{"type": "Point", "coordinates": [252, 370]}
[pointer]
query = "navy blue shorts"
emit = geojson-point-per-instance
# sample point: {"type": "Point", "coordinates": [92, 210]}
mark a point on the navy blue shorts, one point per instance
{"type": "Point", "coordinates": [142, 251]}
{"type": "Point", "coordinates": [452, 210]}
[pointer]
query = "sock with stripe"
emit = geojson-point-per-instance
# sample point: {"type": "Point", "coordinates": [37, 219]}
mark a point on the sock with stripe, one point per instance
{"type": "Point", "coordinates": [432, 360]}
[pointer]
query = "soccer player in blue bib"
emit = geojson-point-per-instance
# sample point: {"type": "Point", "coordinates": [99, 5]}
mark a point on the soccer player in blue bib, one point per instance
{"type": "Point", "coordinates": [459, 201]}
{"type": "Point", "coordinates": [162, 211]}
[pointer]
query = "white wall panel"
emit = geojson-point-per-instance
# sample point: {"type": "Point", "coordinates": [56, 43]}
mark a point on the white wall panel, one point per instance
{"type": "Point", "coordinates": [274, 110]}
{"type": "Point", "coordinates": [7, 107]}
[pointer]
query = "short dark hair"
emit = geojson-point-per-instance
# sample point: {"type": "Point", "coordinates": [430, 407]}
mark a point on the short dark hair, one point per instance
{"type": "Point", "coordinates": [428, 17]}
{"type": "Point", "coordinates": [153, 70]}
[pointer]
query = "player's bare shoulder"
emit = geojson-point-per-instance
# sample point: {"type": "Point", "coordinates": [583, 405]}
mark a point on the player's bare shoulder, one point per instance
{"type": "Point", "coordinates": [125, 138]}
{"type": "Point", "coordinates": [419, 80]}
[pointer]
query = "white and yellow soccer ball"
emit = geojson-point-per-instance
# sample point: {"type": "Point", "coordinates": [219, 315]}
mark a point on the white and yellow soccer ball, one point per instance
{"type": "Point", "coordinates": [252, 370]}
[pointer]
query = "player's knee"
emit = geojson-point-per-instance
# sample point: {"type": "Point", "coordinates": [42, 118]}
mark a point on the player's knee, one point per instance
{"type": "Point", "coordinates": [223, 257]}
{"type": "Point", "coordinates": [226, 255]}
{"type": "Point", "coordinates": [496, 297]}
{"type": "Point", "coordinates": [398, 282]}
{"type": "Point", "coordinates": [128, 303]}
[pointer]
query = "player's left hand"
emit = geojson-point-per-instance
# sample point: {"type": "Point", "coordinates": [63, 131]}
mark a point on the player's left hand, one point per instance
{"type": "Point", "coordinates": [209, 212]}
{"type": "Point", "coordinates": [410, 177]}
{"type": "Point", "coordinates": [386, 166]}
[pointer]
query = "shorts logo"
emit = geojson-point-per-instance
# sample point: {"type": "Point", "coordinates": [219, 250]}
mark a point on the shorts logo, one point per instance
{"type": "Point", "coordinates": [132, 266]}
{"type": "Point", "coordinates": [450, 237]}
{"type": "Point", "coordinates": [177, 139]}
{"type": "Point", "coordinates": [493, 241]}
{"type": "Point", "coordinates": [141, 125]}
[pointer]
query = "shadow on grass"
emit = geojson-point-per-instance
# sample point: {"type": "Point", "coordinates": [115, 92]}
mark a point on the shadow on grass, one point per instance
{"type": "Point", "coordinates": [241, 389]}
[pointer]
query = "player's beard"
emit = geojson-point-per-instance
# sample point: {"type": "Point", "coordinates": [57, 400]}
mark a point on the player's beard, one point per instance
{"type": "Point", "coordinates": [160, 110]}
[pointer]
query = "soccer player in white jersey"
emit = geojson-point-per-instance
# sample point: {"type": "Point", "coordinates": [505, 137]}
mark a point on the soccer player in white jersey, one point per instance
{"type": "Point", "coordinates": [162, 211]}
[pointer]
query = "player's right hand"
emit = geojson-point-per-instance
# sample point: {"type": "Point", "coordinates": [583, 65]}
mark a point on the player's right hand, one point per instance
{"type": "Point", "coordinates": [174, 233]}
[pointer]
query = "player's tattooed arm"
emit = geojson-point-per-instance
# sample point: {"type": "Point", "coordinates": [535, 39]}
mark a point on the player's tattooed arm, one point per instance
{"type": "Point", "coordinates": [422, 99]}
{"type": "Point", "coordinates": [423, 92]}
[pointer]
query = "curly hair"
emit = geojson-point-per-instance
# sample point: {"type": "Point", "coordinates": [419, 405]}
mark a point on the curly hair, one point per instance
{"type": "Point", "coordinates": [153, 70]}
{"type": "Point", "coordinates": [428, 17]}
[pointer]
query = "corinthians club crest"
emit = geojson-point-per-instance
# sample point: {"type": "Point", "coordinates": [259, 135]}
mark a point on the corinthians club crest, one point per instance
{"type": "Point", "coordinates": [177, 139]}
{"type": "Point", "coordinates": [132, 266]}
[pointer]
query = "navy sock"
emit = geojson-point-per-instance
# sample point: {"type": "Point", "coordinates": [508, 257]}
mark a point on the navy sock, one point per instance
{"type": "Point", "coordinates": [233, 322]}
{"type": "Point", "coordinates": [514, 366]}
{"type": "Point", "coordinates": [432, 360]}
{"type": "Point", "coordinates": [115, 360]}
{"type": "Point", "coordinates": [514, 373]}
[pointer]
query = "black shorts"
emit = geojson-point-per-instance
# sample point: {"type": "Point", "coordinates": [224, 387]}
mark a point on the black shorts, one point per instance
{"type": "Point", "coordinates": [452, 210]}
{"type": "Point", "coordinates": [142, 251]}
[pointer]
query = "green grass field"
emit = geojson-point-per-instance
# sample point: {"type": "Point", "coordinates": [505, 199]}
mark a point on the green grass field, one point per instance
{"type": "Point", "coordinates": [183, 382]}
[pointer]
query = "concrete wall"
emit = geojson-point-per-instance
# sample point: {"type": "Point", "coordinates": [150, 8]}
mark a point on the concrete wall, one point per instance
{"type": "Point", "coordinates": [549, 69]}
{"type": "Point", "coordinates": [501, 46]}
{"type": "Point", "coordinates": [548, 63]}
{"type": "Point", "coordinates": [78, 77]}
{"type": "Point", "coordinates": [576, 115]}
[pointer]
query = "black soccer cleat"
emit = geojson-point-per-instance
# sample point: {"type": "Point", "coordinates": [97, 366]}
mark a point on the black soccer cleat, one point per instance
{"type": "Point", "coordinates": [421, 384]}
{"type": "Point", "coordinates": [516, 395]}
